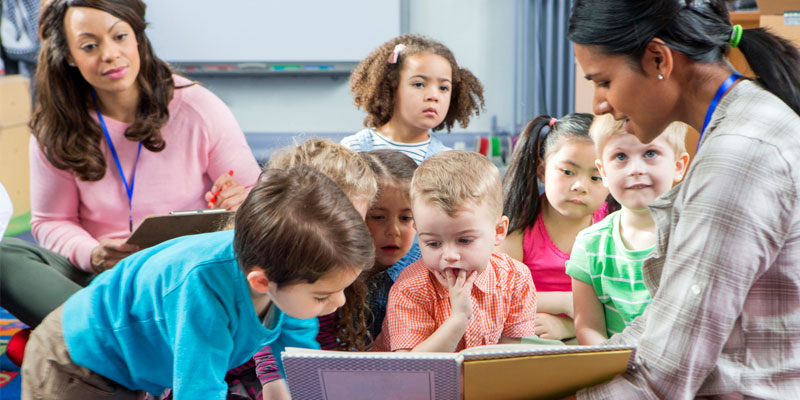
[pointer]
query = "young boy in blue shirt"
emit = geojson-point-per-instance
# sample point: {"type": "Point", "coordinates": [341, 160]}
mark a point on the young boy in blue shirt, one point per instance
{"type": "Point", "coordinates": [181, 314]}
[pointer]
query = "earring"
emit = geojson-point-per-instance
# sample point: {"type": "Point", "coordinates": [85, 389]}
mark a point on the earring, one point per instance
{"type": "Point", "coordinates": [660, 77]}
{"type": "Point", "coordinates": [71, 64]}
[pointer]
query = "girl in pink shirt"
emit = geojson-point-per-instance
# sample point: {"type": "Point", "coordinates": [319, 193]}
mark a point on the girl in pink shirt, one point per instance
{"type": "Point", "coordinates": [116, 137]}
{"type": "Point", "coordinates": [543, 224]}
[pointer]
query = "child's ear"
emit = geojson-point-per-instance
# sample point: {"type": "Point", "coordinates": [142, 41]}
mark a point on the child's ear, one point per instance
{"type": "Point", "coordinates": [257, 279]}
{"type": "Point", "coordinates": [681, 163]}
{"type": "Point", "coordinates": [602, 170]}
{"type": "Point", "coordinates": [540, 170]}
{"type": "Point", "coordinates": [501, 230]}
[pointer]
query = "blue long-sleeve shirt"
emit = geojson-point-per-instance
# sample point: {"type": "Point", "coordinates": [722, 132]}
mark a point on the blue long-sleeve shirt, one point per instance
{"type": "Point", "coordinates": [178, 315]}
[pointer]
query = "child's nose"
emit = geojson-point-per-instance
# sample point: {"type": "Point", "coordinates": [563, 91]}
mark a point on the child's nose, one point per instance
{"type": "Point", "coordinates": [450, 254]}
{"type": "Point", "coordinates": [433, 94]}
{"type": "Point", "coordinates": [579, 185]}
{"type": "Point", "coordinates": [637, 166]}
{"type": "Point", "coordinates": [393, 230]}
{"type": "Point", "coordinates": [338, 299]}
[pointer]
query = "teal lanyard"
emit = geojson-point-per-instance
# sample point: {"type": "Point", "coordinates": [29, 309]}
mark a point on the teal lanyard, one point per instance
{"type": "Point", "coordinates": [128, 188]}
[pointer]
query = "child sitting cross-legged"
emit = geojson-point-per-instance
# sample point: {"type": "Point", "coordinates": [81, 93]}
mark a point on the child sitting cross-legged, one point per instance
{"type": "Point", "coordinates": [460, 294]}
{"type": "Point", "coordinates": [606, 261]}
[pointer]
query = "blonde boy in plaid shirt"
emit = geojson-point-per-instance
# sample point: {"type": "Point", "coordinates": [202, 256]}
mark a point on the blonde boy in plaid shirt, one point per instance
{"type": "Point", "coordinates": [460, 294]}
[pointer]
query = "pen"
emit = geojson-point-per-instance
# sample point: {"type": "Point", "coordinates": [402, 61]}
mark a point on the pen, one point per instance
{"type": "Point", "coordinates": [214, 199]}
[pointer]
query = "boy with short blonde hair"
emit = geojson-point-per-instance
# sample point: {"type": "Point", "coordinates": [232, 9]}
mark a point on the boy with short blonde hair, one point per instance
{"type": "Point", "coordinates": [342, 165]}
{"type": "Point", "coordinates": [606, 261]}
{"type": "Point", "coordinates": [460, 294]}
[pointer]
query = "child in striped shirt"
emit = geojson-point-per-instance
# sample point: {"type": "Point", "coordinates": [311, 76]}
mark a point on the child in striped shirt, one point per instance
{"type": "Point", "coordinates": [409, 87]}
{"type": "Point", "coordinates": [606, 261]}
{"type": "Point", "coordinates": [460, 294]}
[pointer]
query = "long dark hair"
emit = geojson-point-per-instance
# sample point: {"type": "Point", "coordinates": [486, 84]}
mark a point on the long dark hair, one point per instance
{"type": "Point", "coordinates": [67, 134]}
{"type": "Point", "coordinates": [521, 182]}
{"type": "Point", "coordinates": [698, 29]}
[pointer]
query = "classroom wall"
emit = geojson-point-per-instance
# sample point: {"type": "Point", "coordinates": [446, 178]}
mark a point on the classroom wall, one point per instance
{"type": "Point", "coordinates": [479, 32]}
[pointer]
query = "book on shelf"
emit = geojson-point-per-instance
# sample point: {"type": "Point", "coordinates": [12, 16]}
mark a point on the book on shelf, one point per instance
{"type": "Point", "coordinates": [508, 371]}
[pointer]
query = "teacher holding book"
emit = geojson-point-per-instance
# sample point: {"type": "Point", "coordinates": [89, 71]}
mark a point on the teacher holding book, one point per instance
{"type": "Point", "coordinates": [724, 321]}
{"type": "Point", "coordinates": [116, 137]}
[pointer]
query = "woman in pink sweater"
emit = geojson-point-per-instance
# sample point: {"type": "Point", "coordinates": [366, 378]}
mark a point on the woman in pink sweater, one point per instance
{"type": "Point", "coordinates": [116, 137]}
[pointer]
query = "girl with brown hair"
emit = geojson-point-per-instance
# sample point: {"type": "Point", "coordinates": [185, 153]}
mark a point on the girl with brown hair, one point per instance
{"type": "Point", "coordinates": [116, 137]}
{"type": "Point", "coordinates": [410, 86]}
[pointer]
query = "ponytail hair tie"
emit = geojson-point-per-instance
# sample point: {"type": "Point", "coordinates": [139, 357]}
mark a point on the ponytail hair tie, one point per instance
{"type": "Point", "coordinates": [396, 53]}
{"type": "Point", "coordinates": [552, 122]}
{"type": "Point", "coordinates": [736, 36]}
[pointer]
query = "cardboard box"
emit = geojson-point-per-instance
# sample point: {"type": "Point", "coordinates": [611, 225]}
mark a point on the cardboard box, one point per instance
{"type": "Point", "coordinates": [15, 111]}
{"type": "Point", "coordinates": [782, 17]}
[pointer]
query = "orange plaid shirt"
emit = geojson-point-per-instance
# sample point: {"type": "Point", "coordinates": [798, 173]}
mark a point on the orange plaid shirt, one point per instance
{"type": "Point", "coordinates": [503, 304]}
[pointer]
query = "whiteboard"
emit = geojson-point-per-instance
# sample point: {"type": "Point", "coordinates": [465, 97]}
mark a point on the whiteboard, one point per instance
{"type": "Point", "coordinates": [270, 30]}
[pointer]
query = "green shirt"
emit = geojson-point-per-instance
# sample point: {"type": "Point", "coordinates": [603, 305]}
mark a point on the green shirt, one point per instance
{"type": "Point", "coordinates": [599, 258]}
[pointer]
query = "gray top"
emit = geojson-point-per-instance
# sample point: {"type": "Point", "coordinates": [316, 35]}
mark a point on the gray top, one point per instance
{"type": "Point", "coordinates": [725, 275]}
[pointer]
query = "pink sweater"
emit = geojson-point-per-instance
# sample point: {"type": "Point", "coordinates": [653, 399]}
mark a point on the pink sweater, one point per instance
{"type": "Point", "coordinates": [203, 141]}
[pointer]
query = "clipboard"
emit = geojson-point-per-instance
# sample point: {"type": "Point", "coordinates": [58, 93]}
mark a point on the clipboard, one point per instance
{"type": "Point", "coordinates": [160, 228]}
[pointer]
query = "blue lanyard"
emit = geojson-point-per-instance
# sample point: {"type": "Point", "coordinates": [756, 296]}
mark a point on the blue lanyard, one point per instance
{"type": "Point", "coordinates": [128, 188]}
{"type": "Point", "coordinates": [715, 102]}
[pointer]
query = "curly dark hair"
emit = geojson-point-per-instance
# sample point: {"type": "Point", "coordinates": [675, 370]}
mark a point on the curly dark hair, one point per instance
{"type": "Point", "coordinates": [350, 321]}
{"type": "Point", "coordinates": [374, 83]}
{"type": "Point", "coordinates": [67, 134]}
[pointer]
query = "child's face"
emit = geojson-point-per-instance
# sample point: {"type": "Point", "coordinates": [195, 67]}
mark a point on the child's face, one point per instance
{"type": "Point", "coordinates": [572, 182]}
{"type": "Point", "coordinates": [423, 91]}
{"type": "Point", "coordinates": [391, 223]}
{"type": "Point", "coordinates": [463, 242]}
{"type": "Point", "coordinates": [309, 300]}
{"type": "Point", "coordinates": [636, 173]}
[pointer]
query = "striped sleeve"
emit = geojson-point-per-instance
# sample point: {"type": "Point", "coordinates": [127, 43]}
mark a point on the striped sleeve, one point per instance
{"type": "Point", "coordinates": [579, 264]}
{"type": "Point", "coordinates": [351, 142]}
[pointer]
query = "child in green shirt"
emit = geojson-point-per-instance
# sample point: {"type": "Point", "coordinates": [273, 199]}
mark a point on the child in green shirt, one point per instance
{"type": "Point", "coordinates": [606, 260]}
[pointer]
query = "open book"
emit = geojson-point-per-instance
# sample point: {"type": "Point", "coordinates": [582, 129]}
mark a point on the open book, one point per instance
{"type": "Point", "coordinates": [487, 372]}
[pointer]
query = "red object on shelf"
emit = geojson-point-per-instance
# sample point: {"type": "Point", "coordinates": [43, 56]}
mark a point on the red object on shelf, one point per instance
{"type": "Point", "coordinates": [483, 146]}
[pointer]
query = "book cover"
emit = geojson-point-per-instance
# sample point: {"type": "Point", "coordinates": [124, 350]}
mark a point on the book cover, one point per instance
{"type": "Point", "coordinates": [486, 372]}
{"type": "Point", "coordinates": [336, 375]}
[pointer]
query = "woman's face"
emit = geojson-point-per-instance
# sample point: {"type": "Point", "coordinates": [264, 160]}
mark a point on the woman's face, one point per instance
{"type": "Point", "coordinates": [629, 94]}
{"type": "Point", "coordinates": [103, 48]}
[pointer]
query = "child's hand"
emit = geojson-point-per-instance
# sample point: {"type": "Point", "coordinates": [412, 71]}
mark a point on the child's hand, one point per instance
{"type": "Point", "coordinates": [555, 327]}
{"type": "Point", "coordinates": [275, 390]}
{"type": "Point", "coordinates": [460, 290]}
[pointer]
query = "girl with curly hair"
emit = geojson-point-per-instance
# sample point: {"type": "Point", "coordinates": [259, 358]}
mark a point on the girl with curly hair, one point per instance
{"type": "Point", "coordinates": [410, 86]}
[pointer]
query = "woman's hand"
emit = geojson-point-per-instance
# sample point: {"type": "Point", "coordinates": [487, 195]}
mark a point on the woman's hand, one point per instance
{"type": "Point", "coordinates": [109, 252]}
{"type": "Point", "coordinates": [231, 193]}
{"type": "Point", "coordinates": [554, 327]}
